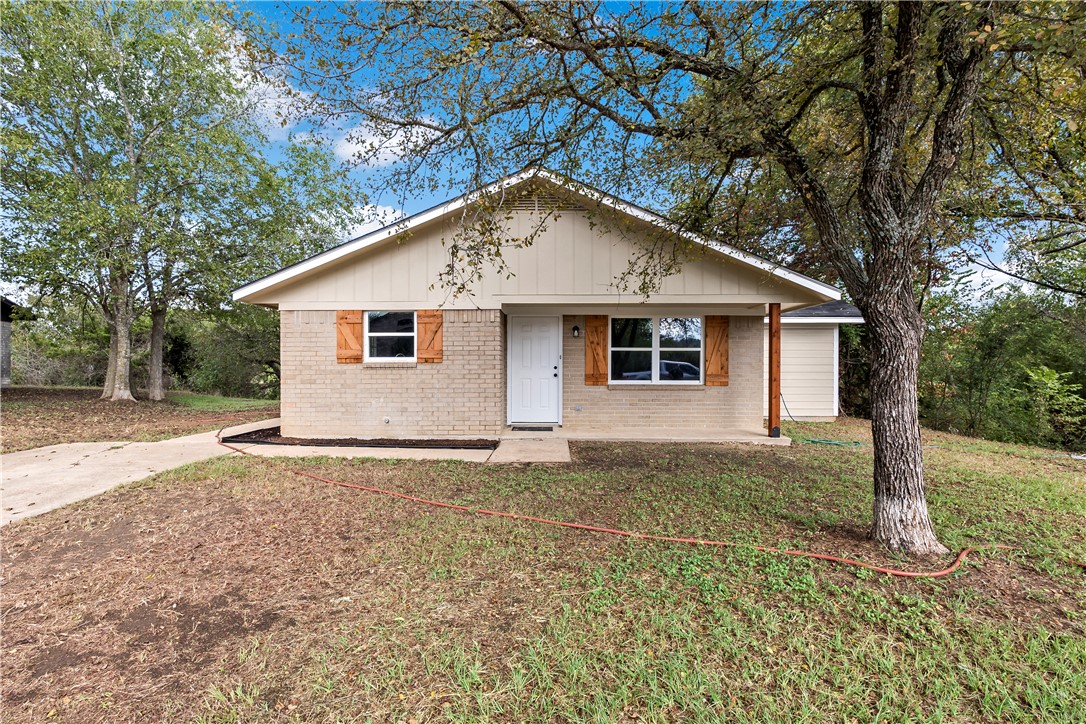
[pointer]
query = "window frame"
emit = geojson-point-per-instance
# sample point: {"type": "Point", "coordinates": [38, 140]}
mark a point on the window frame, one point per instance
{"type": "Point", "coordinates": [656, 350]}
{"type": "Point", "coordinates": [414, 334]}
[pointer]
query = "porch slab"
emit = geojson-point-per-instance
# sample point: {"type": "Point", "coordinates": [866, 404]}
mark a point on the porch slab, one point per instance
{"type": "Point", "coordinates": [384, 453]}
{"type": "Point", "coordinates": [649, 434]}
{"type": "Point", "coordinates": [531, 450]}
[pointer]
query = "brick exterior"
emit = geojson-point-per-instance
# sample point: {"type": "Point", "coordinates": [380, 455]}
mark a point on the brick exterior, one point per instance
{"type": "Point", "coordinates": [465, 395]}
{"type": "Point", "coordinates": [462, 396]}
{"type": "Point", "coordinates": [695, 407]}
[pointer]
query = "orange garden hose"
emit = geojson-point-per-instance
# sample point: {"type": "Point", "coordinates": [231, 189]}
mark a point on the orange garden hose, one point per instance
{"type": "Point", "coordinates": [641, 536]}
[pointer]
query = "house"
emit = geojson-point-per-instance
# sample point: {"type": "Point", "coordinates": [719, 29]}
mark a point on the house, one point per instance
{"type": "Point", "coordinates": [810, 341]}
{"type": "Point", "coordinates": [372, 346]}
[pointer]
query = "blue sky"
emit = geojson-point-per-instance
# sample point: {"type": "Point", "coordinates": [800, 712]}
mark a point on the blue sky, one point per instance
{"type": "Point", "coordinates": [387, 209]}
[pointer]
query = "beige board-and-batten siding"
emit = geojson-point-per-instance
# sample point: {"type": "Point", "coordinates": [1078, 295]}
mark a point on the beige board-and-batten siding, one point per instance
{"type": "Point", "coordinates": [630, 408]}
{"type": "Point", "coordinates": [463, 396]}
{"type": "Point", "coordinates": [574, 261]}
{"type": "Point", "coordinates": [808, 372]}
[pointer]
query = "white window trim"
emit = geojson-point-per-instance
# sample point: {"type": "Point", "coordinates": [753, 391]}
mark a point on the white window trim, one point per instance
{"type": "Point", "coordinates": [656, 352]}
{"type": "Point", "coordinates": [366, 337]}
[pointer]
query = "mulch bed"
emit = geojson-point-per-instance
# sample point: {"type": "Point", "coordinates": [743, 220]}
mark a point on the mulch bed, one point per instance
{"type": "Point", "coordinates": [271, 436]}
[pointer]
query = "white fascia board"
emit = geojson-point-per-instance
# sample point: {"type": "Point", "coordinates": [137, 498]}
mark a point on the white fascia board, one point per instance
{"type": "Point", "coordinates": [374, 237]}
{"type": "Point", "coordinates": [827, 290]}
{"type": "Point", "coordinates": [399, 227]}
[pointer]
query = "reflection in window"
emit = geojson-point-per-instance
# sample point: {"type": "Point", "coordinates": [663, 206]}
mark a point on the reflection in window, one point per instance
{"type": "Point", "coordinates": [390, 336]}
{"type": "Point", "coordinates": [656, 349]}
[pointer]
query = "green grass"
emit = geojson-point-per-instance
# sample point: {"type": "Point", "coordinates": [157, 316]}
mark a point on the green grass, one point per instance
{"type": "Point", "coordinates": [217, 403]}
{"type": "Point", "coordinates": [391, 611]}
{"type": "Point", "coordinates": [661, 633]}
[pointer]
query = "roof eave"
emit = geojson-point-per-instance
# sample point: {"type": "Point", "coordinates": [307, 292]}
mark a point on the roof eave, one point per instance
{"type": "Point", "coordinates": [365, 241]}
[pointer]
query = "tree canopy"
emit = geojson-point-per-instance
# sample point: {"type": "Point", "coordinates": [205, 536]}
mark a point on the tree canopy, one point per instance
{"type": "Point", "coordinates": [134, 174]}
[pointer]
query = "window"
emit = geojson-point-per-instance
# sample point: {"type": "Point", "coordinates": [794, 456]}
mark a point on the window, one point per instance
{"type": "Point", "coordinates": [663, 350]}
{"type": "Point", "coordinates": [390, 336]}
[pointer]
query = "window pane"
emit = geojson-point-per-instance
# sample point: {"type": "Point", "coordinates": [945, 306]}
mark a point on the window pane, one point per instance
{"type": "Point", "coordinates": [680, 332]}
{"type": "Point", "coordinates": [392, 322]}
{"type": "Point", "coordinates": [679, 366]}
{"type": "Point", "coordinates": [392, 346]}
{"type": "Point", "coordinates": [631, 366]}
{"type": "Point", "coordinates": [631, 333]}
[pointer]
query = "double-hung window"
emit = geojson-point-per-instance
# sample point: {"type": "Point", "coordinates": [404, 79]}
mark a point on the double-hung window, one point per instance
{"type": "Point", "coordinates": [657, 350]}
{"type": "Point", "coordinates": [390, 336]}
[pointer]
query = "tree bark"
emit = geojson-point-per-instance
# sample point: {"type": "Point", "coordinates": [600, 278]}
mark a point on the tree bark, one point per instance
{"type": "Point", "coordinates": [900, 514]}
{"type": "Point", "coordinates": [123, 315]}
{"type": "Point", "coordinates": [111, 364]}
{"type": "Point", "coordinates": [156, 385]}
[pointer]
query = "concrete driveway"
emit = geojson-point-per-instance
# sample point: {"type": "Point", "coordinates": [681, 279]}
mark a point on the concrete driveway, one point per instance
{"type": "Point", "coordinates": [39, 480]}
{"type": "Point", "coordinates": [36, 481]}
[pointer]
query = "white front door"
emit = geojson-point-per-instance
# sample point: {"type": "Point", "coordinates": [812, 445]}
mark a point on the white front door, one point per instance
{"type": "Point", "coordinates": [535, 361]}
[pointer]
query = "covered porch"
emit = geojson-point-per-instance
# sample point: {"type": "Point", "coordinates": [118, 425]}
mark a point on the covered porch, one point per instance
{"type": "Point", "coordinates": [642, 372]}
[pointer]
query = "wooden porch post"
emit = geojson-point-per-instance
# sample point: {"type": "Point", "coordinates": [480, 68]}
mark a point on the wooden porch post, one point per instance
{"type": "Point", "coordinates": [775, 369]}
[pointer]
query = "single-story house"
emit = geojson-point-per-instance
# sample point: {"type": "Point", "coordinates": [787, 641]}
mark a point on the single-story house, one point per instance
{"type": "Point", "coordinates": [810, 353]}
{"type": "Point", "coordinates": [373, 346]}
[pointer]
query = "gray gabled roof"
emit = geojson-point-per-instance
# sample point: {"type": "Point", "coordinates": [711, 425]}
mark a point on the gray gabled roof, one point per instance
{"type": "Point", "coordinates": [836, 310]}
{"type": "Point", "coordinates": [394, 229]}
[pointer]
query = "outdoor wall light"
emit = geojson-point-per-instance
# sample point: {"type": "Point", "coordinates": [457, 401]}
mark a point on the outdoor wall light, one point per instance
{"type": "Point", "coordinates": [576, 331]}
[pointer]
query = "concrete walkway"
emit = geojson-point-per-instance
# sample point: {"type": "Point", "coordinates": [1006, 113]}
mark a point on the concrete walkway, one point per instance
{"type": "Point", "coordinates": [36, 481]}
{"type": "Point", "coordinates": [39, 480]}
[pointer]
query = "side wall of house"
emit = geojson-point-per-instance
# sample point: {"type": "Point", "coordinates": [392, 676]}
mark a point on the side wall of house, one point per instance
{"type": "Point", "coordinates": [662, 407]}
{"type": "Point", "coordinates": [464, 395]}
{"type": "Point", "coordinates": [808, 372]}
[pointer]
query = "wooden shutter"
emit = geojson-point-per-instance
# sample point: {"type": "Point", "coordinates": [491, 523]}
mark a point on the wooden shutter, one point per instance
{"type": "Point", "coordinates": [595, 349]}
{"type": "Point", "coordinates": [428, 328]}
{"type": "Point", "coordinates": [716, 351]}
{"type": "Point", "coordinates": [349, 336]}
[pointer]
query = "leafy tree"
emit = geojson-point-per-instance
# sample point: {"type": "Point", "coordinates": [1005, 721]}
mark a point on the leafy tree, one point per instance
{"type": "Point", "coordinates": [132, 170]}
{"type": "Point", "coordinates": [1034, 126]}
{"type": "Point", "coordinates": [983, 368]}
{"type": "Point", "coordinates": [833, 131]}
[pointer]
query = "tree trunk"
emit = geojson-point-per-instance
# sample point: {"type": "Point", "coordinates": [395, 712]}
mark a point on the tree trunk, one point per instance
{"type": "Point", "coordinates": [156, 386]}
{"type": "Point", "coordinates": [122, 325]}
{"type": "Point", "coordinates": [111, 365]}
{"type": "Point", "coordinates": [901, 520]}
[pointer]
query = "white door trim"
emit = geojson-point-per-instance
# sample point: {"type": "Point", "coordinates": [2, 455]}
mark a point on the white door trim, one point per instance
{"type": "Point", "coordinates": [509, 367]}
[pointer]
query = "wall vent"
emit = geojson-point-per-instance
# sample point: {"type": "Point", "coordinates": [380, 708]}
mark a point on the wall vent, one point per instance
{"type": "Point", "coordinates": [539, 203]}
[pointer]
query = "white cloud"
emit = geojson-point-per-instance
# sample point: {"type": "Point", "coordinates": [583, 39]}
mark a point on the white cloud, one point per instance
{"type": "Point", "coordinates": [271, 103]}
{"type": "Point", "coordinates": [374, 216]}
{"type": "Point", "coordinates": [365, 144]}
{"type": "Point", "coordinates": [268, 93]}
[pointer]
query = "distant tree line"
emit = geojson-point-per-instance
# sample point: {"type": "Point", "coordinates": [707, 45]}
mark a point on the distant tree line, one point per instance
{"type": "Point", "coordinates": [1011, 367]}
{"type": "Point", "coordinates": [231, 352]}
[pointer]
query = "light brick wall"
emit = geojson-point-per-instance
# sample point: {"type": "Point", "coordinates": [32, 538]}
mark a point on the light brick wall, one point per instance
{"type": "Point", "coordinates": [464, 395]}
{"type": "Point", "coordinates": [694, 407]}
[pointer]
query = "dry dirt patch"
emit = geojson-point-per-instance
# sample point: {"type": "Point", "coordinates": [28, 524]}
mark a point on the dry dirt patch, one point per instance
{"type": "Point", "coordinates": [40, 416]}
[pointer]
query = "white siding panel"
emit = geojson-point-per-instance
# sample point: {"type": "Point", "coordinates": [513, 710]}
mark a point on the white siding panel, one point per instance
{"type": "Point", "coordinates": [576, 256]}
{"type": "Point", "coordinates": [808, 369]}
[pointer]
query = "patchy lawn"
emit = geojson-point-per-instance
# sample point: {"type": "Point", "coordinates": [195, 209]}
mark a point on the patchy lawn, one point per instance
{"type": "Point", "coordinates": [234, 590]}
{"type": "Point", "coordinates": [39, 416]}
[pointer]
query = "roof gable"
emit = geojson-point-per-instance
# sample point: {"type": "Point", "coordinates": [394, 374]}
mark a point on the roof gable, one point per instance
{"type": "Point", "coordinates": [367, 244]}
